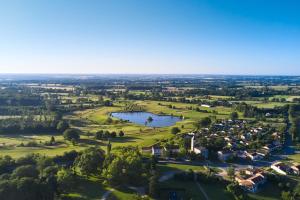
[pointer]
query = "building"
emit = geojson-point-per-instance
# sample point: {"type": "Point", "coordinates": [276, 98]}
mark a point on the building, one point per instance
{"type": "Point", "coordinates": [225, 155]}
{"type": "Point", "coordinates": [172, 149]}
{"type": "Point", "coordinates": [157, 150]}
{"type": "Point", "coordinates": [253, 155]}
{"type": "Point", "coordinates": [201, 151]}
{"type": "Point", "coordinates": [272, 147]}
{"type": "Point", "coordinates": [198, 150]}
{"type": "Point", "coordinates": [281, 168]}
{"type": "Point", "coordinates": [206, 105]}
{"type": "Point", "coordinates": [251, 180]}
{"type": "Point", "coordinates": [296, 168]}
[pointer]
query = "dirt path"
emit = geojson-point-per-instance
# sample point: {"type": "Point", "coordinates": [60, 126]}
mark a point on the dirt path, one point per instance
{"type": "Point", "coordinates": [106, 194]}
{"type": "Point", "coordinates": [167, 175]}
{"type": "Point", "coordinates": [202, 190]}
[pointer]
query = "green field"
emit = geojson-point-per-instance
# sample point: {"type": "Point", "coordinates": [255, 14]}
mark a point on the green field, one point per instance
{"type": "Point", "coordinates": [92, 120]}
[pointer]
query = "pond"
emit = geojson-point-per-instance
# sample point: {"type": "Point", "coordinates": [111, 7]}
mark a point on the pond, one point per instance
{"type": "Point", "coordinates": [147, 119]}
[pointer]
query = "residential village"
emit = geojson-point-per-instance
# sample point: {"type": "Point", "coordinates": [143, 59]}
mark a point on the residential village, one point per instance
{"type": "Point", "coordinates": [248, 148]}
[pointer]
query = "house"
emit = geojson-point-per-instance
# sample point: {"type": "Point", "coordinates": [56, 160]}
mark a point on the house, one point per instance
{"type": "Point", "coordinates": [241, 154]}
{"type": "Point", "coordinates": [271, 147]}
{"type": "Point", "coordinates": [251, 180]}
{"type": "Point", "coordinates": [253, 155]}
{"type": "Point", "coordinates": [263, 152]}
{"type": "Point", "coordinates": [172, 149]}
{"type": "Point", "coordinates": [157, 150]}
{"type": "Point", "coordinates": [198, 150]}
{"type": "Point", "coordinates": [282, 168]}
{"type": "Point", "coordinates": [205, 105]}
{"type": "Point", "coordinates": [296, 169]}
{"type": "Point", "coordinates": [225, 155]}
{"type": "Point", "coordinates": [268, 114]}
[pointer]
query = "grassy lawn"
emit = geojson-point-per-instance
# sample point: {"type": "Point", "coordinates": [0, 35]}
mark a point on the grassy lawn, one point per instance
{"type": "Point", "coordinates": [216, 191]}
{"type": "Point", "coordinates": [261, 104]}
{"type": "Point", "coordinates": [178, 167]}
{"type": "Point", "coordinates": [268, 192]}
{"type": "Point", "coordinates": [87, 189]}
{"type": "Point", "coordinates": [295, 157]}
{"type": "Point", "coordinates": [190, 188]}
{"type": "Point", "coordinates": [122, 194]}
{"type": "Point", "coordinates": [92, 120]}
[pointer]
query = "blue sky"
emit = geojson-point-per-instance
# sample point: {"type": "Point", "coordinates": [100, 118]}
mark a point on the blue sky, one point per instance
{"type": "Point", "coordinates": [150, 36]}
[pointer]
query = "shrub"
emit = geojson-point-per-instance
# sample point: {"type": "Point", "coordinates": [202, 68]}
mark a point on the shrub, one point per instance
{"type": "Point", "coordinates": [72, 134]}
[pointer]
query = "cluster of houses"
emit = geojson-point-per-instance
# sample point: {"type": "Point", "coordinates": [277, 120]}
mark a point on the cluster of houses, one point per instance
{"type": "Point", "coordinates": [251, 179]}
{"type": "Point", "coordinates": [286, 169]}
{"type": "Point", "coordinates": [235, 132]}
{"type": "Point", "coordinates": [238, 139]}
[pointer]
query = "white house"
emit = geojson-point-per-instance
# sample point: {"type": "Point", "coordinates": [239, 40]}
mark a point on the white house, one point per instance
{"type": "Point", "coordinates": [225, 155]}
{"type": "Point", "coordinates": [281, 168]}
{"type": "Point", "coordinates": [198, 150]}
{"type": "Point", "coordinates": [157, 150]}
{"type": "Point", "coordinates": [253, 155]}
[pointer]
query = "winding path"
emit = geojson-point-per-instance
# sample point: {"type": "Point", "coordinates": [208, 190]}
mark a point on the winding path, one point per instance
{"type": "Point", "coordinates": [107, 193]}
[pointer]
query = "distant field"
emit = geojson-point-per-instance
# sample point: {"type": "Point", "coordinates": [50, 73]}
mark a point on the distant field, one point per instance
{"type": "Point", "coordinates": [275, 87]}
{"type": "Point", "coordinates": [261, 104]}
{"type": "Point", "coordinates": [287, 97]}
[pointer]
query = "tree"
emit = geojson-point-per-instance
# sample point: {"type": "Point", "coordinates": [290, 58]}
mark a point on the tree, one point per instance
{"type": "Point", "coordinates": [66, 179]}
{"type": "Point", "coordinates": [230, 172]}
{"type": "Point", "coordinates": [108, 147]}
{"type": "Point", "coordinates": [62, 126]}
{"type": "Point", "coordinates": [126, 167]}
{"type": "Point", "coordinates": [150, 119]}
{"type": "Point", "coordinates": [99, 135]}
{"type": "Point", "coordinates": [25, 171]}
{"type": "Point", "coordinates": [6, 164]}
{"type": "Point", "coordinates": [175, 130]}
{"type": "Point", "coordinates": [286, 195]}
{"type": "Point", "coordinates": [90, 161]}
{"type": "Point", "coordinates": [121, 133]}
{"type": "Point", "coordinates": [52, 140]}
{"type": "Point", "coordinates": [153, 186]}
{"type": "Point", "coordinates": [236, 191]}
{"type": "Point", "coordinates": [109, 120]}
{"type": "Point", "coordinates": [234, 116]}
{"type": "Point", "coordinates": [113, 134]}
{"type": "Point", "coordinates": [205, 122]}
{"type": "Point", "coordinates": [72, 134]}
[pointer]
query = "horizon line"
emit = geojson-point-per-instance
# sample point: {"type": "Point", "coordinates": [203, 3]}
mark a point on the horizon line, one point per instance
{"type": "Point", "coordinates": [153, 74]}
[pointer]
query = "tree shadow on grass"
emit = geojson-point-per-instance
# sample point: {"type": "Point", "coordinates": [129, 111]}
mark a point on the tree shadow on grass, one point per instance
{"type": "Point", "coordinates": [84, 142]}
{"type": "Point", "coordinates": [121, 191]}
{"type": "Point", "coordinates": [123, 139]}
{"type": "Point", "coordinates": [87, 189]}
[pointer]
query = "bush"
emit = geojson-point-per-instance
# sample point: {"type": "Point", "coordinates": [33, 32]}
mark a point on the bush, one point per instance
{"type": "Point", "coordinates": [121, 133]}
{"type": "Point", "coordinates": [175, 130]}
{"type": "Point", "coordinates": [62, 126]}
{"type": "Point", "coordinates": [25, 171]}
{"type": "Point", "coordinates": [99, 135]}
{"type": "Point", "coordinates": [72, 134]}
{"type": "Point", "coordinates": [113, 134]}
